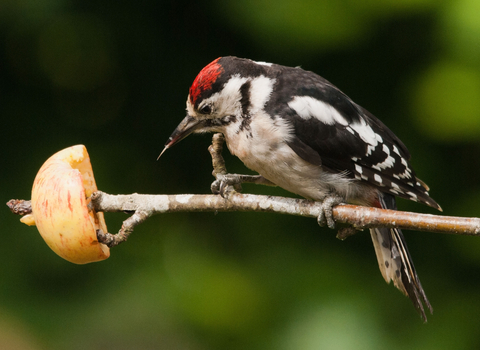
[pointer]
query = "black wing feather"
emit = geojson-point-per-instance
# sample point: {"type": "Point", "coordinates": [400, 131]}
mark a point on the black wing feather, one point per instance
{"type": "Point", "coordinates": [340, 148]}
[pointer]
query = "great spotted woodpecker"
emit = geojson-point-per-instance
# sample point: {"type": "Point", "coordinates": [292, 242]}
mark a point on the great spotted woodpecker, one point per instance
{"type": "Point", "coordinates": [300, 132]}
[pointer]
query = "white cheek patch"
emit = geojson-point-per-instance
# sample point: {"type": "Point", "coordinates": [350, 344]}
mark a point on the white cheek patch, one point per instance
{"type": "Point", "coordinates": [308, 107]}
{"type": "Point", "coordinates": [228, 99]}
{"type": "Point", "coordinates": [232, 87]}
{"type": "Point", "coordinates": [260, 90]}
{"type": "Point", "coordinates": [225, 102]}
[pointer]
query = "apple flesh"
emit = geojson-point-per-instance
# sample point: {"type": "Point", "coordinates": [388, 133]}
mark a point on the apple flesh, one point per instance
{"type": "Point", "coordinates": [60, 195]}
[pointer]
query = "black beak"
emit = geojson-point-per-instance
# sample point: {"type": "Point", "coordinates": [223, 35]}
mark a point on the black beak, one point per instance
{"type": "Point", "coordinates": [185, 128]}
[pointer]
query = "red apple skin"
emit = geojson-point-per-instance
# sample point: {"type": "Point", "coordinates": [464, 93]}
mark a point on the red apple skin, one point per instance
{"type": "Point", "coordinates": [60, 195]}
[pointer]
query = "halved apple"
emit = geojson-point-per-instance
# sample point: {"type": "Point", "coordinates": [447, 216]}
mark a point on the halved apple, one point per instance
{"type": "Point", "coordinates": [60, 195]}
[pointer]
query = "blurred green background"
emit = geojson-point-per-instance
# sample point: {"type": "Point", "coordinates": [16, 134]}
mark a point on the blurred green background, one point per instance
{"type": "Point", "coordinates": [115, 75]}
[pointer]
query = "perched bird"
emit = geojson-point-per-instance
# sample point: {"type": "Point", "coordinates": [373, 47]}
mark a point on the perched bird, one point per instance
{"type": "Point", "coordinates": [302, 133]}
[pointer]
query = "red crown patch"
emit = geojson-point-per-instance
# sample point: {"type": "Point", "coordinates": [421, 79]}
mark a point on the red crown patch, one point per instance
{"type": "Point", "coordinates": [205, 79]}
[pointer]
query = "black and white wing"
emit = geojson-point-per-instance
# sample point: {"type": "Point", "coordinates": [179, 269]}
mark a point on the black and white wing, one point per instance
{"type": "Point", "coordinates": [330, 128]}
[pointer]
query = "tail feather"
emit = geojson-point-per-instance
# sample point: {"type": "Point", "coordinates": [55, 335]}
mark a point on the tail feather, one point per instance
{"type": "Point", "coordinates": [395, 262]}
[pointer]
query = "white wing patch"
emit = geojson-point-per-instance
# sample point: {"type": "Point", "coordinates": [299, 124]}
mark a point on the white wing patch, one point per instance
{"type": "Point", "coordinates": [413, 196]}
{"type": "Point", "coordinates": [389, 162]}
{"type": "Point", "coordinates": [407, 174]}
{"type": "Point", "coordinates": [395, 149]}
{"type": "Point", "coordinates": [366, 133]}
{"type": "Point", "coordinates": [350, 130]}
{"type": "Point", "coordinates": [308, 107]}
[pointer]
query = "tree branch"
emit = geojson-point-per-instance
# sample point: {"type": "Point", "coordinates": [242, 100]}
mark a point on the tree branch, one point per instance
{"type": "Point", "coordinates": [143, 206]}
{"type": "Point", "coordinates": [357, 217]}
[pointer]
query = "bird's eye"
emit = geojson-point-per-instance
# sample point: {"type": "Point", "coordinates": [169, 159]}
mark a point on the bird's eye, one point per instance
{"type": "Point", "coordinates": [207, 109]}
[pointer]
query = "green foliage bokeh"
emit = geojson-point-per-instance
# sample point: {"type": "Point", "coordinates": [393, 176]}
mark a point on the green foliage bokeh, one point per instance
{"type": "Point", "coordinates": [114, 76]}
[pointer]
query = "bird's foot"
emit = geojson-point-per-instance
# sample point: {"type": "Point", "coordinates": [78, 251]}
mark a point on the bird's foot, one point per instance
{"type": "Point", "coordinates": [326, 213]}
{"type": "Point", "coordinates": [226, 184]}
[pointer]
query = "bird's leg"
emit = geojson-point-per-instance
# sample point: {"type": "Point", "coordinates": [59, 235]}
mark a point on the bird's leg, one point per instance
{"type": "Point", "coordinates": [225, 183]}
{"type": "Point", "coordinates": [326, 216]}
{"type": "Point", "coordinates": [326, 212]}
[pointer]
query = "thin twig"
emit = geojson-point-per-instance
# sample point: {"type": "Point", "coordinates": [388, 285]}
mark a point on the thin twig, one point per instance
{"type": "Point", "coordinates": [20, 206]}
{"type": "Point", "coordinates": [128, 225]}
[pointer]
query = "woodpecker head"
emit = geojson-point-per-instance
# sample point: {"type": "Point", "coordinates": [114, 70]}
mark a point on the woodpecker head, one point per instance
{"type": "Point", "coordinates": [218, 97]}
